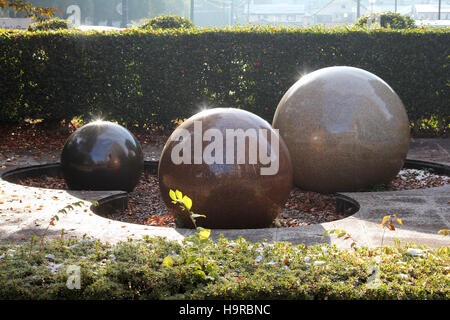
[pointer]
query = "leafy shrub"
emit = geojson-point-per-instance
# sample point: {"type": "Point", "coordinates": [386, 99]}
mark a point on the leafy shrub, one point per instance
{"type": "Point", "coordinates": [156, 76]}
{"type": "Point", "coordinates": [167, 22]}
{"type": "Point", "coordinates": [50, 24]}
{"type": "Point", "coordinates": [387, 20]}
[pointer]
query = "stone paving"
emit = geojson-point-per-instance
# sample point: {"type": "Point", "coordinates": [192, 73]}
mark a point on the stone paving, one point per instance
{"type": "Point", "coordinates": [434, 150]}
{"type": "Point", "coordinates": [27, 211]}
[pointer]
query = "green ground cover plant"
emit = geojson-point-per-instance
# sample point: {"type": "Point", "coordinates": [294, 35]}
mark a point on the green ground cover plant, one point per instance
{"type": "Point", "coordinates": [200, 268]}
{"type": "Point", "coordinates": [138, 269]}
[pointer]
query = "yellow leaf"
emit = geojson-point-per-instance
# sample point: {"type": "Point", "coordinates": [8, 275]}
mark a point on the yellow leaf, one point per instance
{"type": "Point", "coordinates": [384, 220]}
{"type": "Point", "coordinates": [179, 195]}
{"type": "Point", "coordinates": [204, 234]}
{"type": "Point", "coordinates": [167, 262]}
{"type": "Point", "coordinates": [187, 202]}
{"type": "Point", "coordinates": [399, 221]}
{"type": "Point", "coordinates": [172, 195]}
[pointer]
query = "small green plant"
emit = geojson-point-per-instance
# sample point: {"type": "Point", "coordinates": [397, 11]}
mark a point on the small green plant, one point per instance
{"type": "Point", "coordinates": [444, 233]}
{"type": "Point", "coordinates": [69, 207]}
{"type": "Point", "coordinates": [194, 255]}
{"type": "Point", "coordinates": [388, 223]}
{"type": "Point", "coordinates": [341, 234]}
{"type": "Point", "coordinates": [185, 204]}
{"type": "Point", "coordinates": [167, 22]}
{"type": "Point", "coordinates": [63, 211]}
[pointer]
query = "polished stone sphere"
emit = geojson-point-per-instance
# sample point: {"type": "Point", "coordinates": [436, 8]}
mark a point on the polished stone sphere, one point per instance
{"type": "Point", "coordinates": [102, 156]}
{"type": "Point", "coordinates": [215, 164]}
{"type": "Point", "coordinates": [345, 128]}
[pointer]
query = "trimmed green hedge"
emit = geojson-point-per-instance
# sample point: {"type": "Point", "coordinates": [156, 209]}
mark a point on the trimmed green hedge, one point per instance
{"type": "Point", "coordinates": [230, 270]}
{"type": "Point", "coordinates": [138, 76]}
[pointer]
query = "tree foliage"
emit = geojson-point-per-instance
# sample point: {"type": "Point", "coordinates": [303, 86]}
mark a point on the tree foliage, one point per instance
{"type": "Point", "coordinates": [29, 10]}
{"type": "Point", "coordinates": [106, 10]}
{"type": "Point", "coordinates": [387, 20]}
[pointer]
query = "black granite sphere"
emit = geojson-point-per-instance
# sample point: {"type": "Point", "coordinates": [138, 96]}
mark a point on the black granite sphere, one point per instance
{"type": "Point", "coordinates": [102, 156]}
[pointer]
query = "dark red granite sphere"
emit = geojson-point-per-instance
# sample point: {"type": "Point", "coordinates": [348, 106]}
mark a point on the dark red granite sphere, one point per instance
{"type": "Point", "coordinates": [232, 164]}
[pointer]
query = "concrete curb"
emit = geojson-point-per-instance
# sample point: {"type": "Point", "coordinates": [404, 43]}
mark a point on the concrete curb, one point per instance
{"type": "Point", "coordinates": [27, 211]}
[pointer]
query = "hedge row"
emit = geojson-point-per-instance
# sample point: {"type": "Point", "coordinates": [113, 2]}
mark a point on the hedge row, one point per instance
{"type": "Point", "coordinates": [138, 76]}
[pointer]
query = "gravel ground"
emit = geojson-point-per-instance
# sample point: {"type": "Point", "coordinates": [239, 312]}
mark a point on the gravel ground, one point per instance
{"type": "Point", "coordinates": [145, 205]}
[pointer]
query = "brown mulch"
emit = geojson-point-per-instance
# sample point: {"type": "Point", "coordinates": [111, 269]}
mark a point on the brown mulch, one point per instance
{"type": "Point", "coordinates": [29, 138]}
{"type": "Point", "coordinates": [36, 137]}
{"type": "Point", "coordinates": [145, 205]}
{"type": "Point", "coordinates": [39, 139]}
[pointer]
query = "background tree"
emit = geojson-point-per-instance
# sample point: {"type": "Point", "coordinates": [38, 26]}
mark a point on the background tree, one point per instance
{"type": "Point", "coordinates": [140, 9]}
{"type": "Point", "coordinates": [158, 7]}
{"type": "Point", "coordinates": [98, 10]}
{"type": "Point", "coordinates": [26, 9]}
{"type": "Point", "coordinates": [172, 21]}
{"type": "Point", "coordinates": [387, 20]}
{"type": "Point", "coordinates": [106, 10]}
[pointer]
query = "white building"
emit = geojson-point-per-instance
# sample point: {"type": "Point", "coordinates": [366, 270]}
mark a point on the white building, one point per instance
{"type": "Point", "coordinates": [285, 14]}
{"type": "Point", "coordinates": [346, 11]}
{"type": "Point", "coordinates": [339, 12]}
{"type": "Point", "coordinates": [430, 12]}
{"type": "Point", "coordinates": [310, 12]}
{"type": "Point", "coordinates": [276, 12]}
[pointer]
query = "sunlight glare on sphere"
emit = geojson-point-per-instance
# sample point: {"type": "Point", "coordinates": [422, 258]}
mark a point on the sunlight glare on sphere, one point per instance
{"type": "Point", "coordinates": [102, 155]}
{"type": "Point", "coordinates": [230, 194]}
{"type": "Point", "coordinates": [346, 129]}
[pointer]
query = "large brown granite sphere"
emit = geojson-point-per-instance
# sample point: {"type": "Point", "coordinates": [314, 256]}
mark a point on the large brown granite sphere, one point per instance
{"type": "Point", "coordinates": [232, 188]}
{"type": "Point", "coordinates": [102, 156]}
{"type": "Point", "coordinates": [345, 128]}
